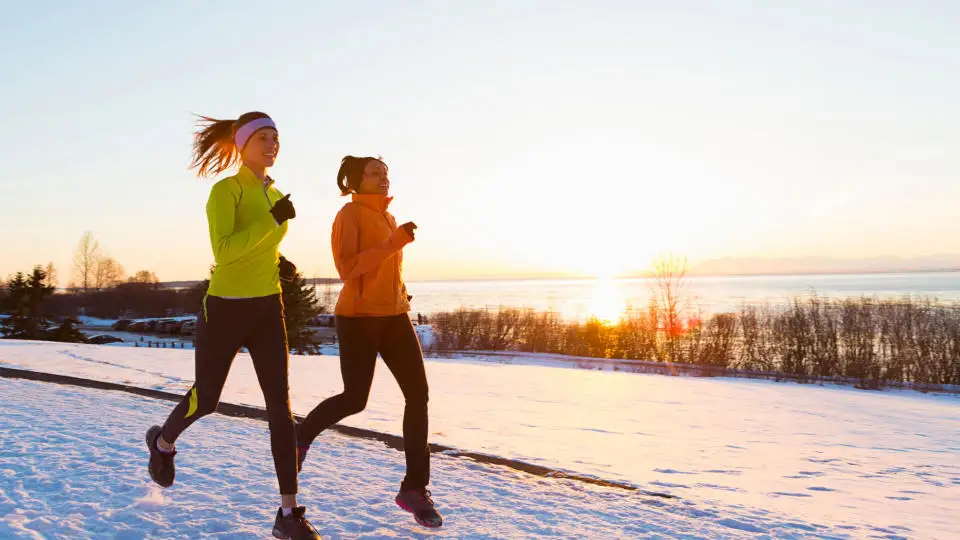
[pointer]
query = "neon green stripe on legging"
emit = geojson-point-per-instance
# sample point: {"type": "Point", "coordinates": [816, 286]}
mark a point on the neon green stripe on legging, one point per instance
{"type": "Point", "coordinates": [193, 402]}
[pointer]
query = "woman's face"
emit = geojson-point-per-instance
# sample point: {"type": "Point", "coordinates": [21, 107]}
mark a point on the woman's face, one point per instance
{"type": "Point", "coordinates": [261, 149]}
{"type": "Point", "coordinates": [375, 180]}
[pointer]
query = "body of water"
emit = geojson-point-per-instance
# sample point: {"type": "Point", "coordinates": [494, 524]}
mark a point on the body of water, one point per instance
{"type": "Point", "coordinates": [607, 298]}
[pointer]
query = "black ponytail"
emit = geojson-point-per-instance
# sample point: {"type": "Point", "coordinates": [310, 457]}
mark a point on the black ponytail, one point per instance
{"type": "Point", "coordinates": [350, 175]}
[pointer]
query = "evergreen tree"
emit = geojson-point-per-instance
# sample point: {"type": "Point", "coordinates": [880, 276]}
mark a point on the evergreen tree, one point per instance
{"type": "Point", "coordinates": [67, 332]}
{"type": "Point", "coordinates": [25, 304]}
{"type": "Point", "coordinates": [300, 306]}
{"type": "Point", "coordinates": [13, 305]}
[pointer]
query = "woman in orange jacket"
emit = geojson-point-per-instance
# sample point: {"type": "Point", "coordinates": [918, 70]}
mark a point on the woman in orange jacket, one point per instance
{"type": "Point", "coordinates": [372, 318]}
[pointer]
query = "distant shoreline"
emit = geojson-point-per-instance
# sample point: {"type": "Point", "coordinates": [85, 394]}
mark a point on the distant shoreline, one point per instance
{"type": "Point", "coordinates": [834, 273]}
{"type": "Point", "coordinates": [704, 275]}
{"type": "Point", "coordinates": [693, 275]}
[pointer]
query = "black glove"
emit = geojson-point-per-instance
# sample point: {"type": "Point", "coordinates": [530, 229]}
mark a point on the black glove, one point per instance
{"type": "Point", "coordinates": [409, 227]}
{"type": "Point", "coordinates": [288, 270]}
{"type": "Point", "coordinates": [283, 210]}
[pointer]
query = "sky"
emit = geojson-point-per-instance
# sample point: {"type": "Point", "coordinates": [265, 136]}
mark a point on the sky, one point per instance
{"type": "Point", "coordinates": [525, 138]}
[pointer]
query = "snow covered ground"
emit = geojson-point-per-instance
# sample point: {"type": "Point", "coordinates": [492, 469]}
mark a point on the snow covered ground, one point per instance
{"type": "Point", "coordinates": [95, 322]}
{"type": "Point", "coordinates": [745, 457]}
{"type": "Point", "coordinates": [72, 465]}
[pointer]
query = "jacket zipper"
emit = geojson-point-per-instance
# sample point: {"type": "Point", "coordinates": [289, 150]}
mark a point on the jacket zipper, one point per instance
{"type": "Point", "coordinates": [266, 186]}
{"type": "Point", "coordinates": [396, 282]}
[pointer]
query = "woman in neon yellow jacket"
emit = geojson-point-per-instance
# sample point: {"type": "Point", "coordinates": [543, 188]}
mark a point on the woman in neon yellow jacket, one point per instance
{"type": "Point", "coordinates": [247, 218]}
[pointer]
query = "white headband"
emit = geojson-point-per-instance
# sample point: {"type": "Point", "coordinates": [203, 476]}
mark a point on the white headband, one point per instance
{"type": "Point", "coordinates": [245, 131]}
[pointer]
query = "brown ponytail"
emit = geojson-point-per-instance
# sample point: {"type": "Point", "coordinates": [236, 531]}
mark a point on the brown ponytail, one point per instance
{"type": "Point", "coordinates": [213, 148]}
{"type": "Point", "coordinates": [350, 175]}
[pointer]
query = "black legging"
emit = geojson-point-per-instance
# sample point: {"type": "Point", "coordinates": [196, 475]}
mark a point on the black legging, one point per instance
{"type": "Point", "coordinates": [361, 339]}
{"type": "Point", "coordinates": [224, 326]}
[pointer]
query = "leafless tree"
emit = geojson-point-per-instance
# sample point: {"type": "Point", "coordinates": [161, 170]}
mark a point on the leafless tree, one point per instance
{"type": "Point", "coordinates": [144, 276]}
{"type": "Point", "coordinates": [51, 271]}
{"type": "Point", "coordinates": [85, 261]}
{"type": "Point", "coordinates": [108, 272]}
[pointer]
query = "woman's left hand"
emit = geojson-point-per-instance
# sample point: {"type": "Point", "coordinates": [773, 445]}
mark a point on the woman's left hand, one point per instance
{"type": "Point", "coordinates": [288, 270]}
{"type": "Point", "coordinates": [409, 227]}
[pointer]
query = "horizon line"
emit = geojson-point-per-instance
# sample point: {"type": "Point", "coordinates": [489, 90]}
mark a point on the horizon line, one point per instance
{"type": "Point", "coordinates": [334, 280]}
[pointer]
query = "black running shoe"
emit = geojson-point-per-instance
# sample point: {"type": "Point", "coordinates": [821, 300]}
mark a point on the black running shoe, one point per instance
{"type": "Point", "coordinates": [161, 465]}
{"type": "Point", "coordinates": [295, 526]}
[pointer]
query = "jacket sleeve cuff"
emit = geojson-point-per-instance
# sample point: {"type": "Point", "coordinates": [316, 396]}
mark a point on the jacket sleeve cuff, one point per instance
{"type": "Point", "coordinates": [400, 239]}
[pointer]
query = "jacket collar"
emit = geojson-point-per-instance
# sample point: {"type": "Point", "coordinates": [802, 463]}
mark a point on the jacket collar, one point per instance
{"type": "Point", "coordinates": [375, 202]}
{"type": "Point", "coordinates": [246, 175]}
